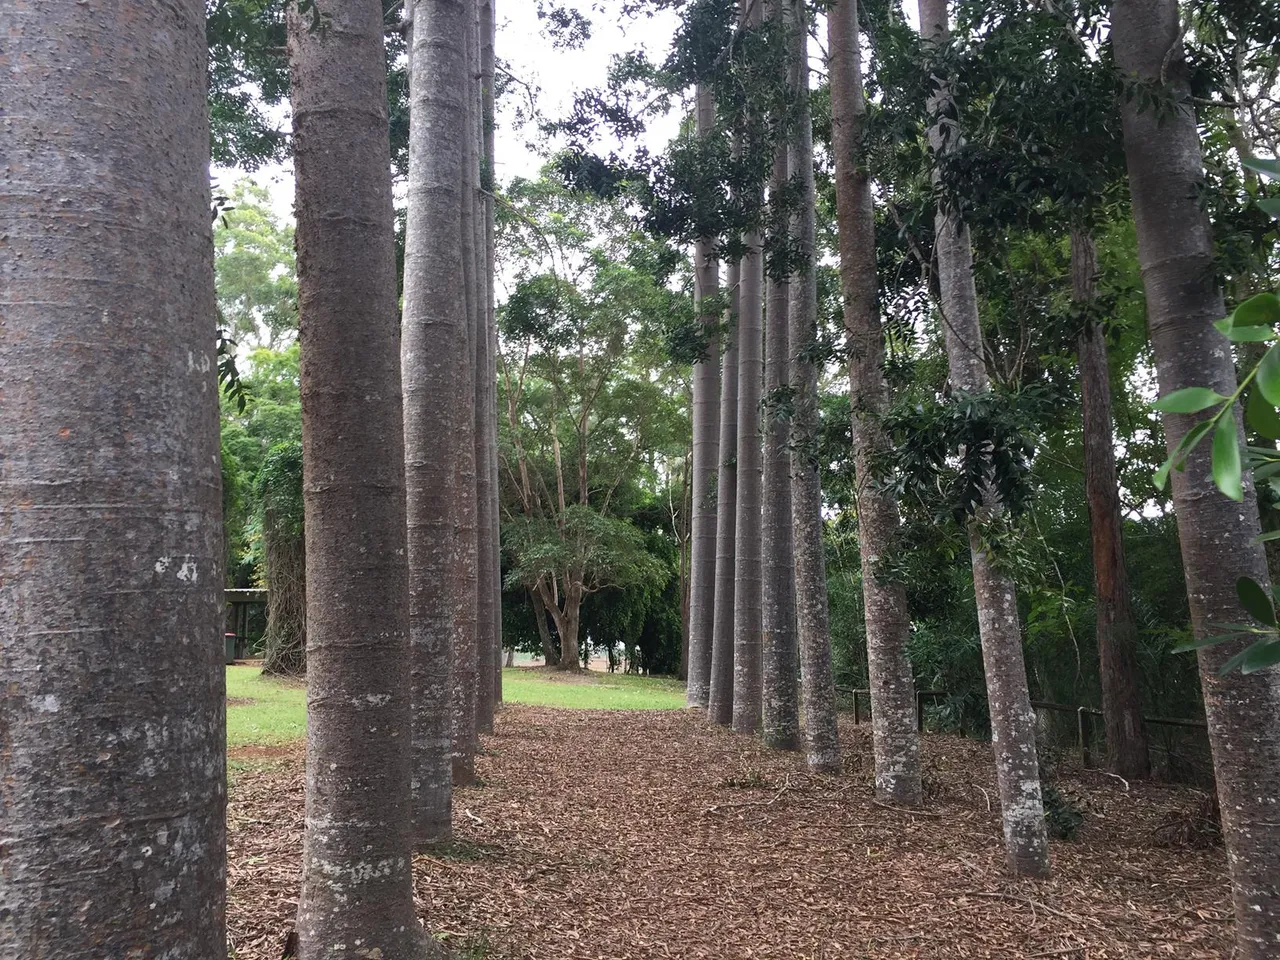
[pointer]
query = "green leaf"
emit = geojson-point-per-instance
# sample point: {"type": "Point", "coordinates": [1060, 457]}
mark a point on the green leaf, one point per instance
{"type": "Point", "coordinates": [1255, 600]}
{"type": "Point", "coordinates": [1249, 334]}
{"type": "Point", "coordinates": [1260, 310]}
{"type": "Point", "coordinates": [1263, 654]}
{"type": "Point", "coordinates": [1181, 452]}
{"type": "Point", "coordinates": [1266, 470]}
{"type": "Point", "coordinates": [1235, 663]}
{"type": "Point", "coordinates": [1262, 416]}
{"type": "Point", "coordinates": [1270, 205]}
{"type": "Point", "coordinates": [1226, 459]}
{"type": "Point", "coordinates": [1268, 167]}
{"type": "Point", "coordinates": [1264, 537]}
{"type": "Point", "coordinates": [1161, 478]}
{"type": "Point", "coordinates": [1198, 643]}
{"type": "Point", "coordinates": [1269, 376]}
{"type": "Point", "coordinates": [1189, 400]}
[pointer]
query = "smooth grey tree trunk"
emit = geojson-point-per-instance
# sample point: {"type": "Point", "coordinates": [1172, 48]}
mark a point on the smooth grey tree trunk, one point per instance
{"type": "Point", "coordinates": [464, 582]}
{"type": "Point", "coordinates": [817, 687]}
{"type": "Point", "coordinates": [780, 694]}
{"type": "Point", "coordinates": [1117, 631]}
{"type": "Point", "coordinates": [433, 352]}
{"type": "Point", "coordinates": [720, 701]}
{"type": "Point", "coordinates": [112, 763]}
{"type": "Point", "coordinates": [486, 411]}
{"type": "Point", "coordinates": [1176, 252]}
{"type": "Point", "coordinates": [888, 620]}
{"type": "Point", "coordinates": [357, 883]}
{"type": "Point", "coordinates": [488, 36]}
{"type": "Point", "coordinates": [706, 454]}
{"type": "Point", "coordinates": [1013, 733]}
{"type": "Point", "coordinates": [747, 537]}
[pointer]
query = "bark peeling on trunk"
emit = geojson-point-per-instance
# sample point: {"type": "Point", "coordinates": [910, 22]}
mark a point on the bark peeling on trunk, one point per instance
{"type": "Point", "coordinates": [433, 353]}
{"type": "Point", "coordinates": [818, 692]}
{"type": "Point", "coordinates": [720, 699]}
{"type": "Point", "coordinates": [1117, 631]}
{"type": "Point", "coordinates": [112, 716]}
{"type": "Point", "coordinates": [357, 884]}
{"type": "Point", "coordinates": [1175, 249]}
{"type": "Point", "coordinates": [1000, 629]}
{"type": "Point", "coordinates": [780, 694]}
{"type": "Point", "coordinates": [888, 620]}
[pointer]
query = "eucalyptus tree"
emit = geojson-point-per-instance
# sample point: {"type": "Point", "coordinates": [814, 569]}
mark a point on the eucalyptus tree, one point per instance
{"type": "Point", "coordinates": [1218, 533]}
{"type": "Point", "coordinates": [1012, 718]}
{"type": "Point", "coordinates": [357, 884]}
{"type": "Point", "coordinates": [720, 696]}
{"type": "Point", "coordinates": [780, 694]}
{"type": "Point", "coordinates": [888, 619]}
{"type": "Point", "coordinates": [434, 354]}
{"type": "Point", "coordinates": [112, 775]}
{"type": "Point", "coordinates": [818, 695]}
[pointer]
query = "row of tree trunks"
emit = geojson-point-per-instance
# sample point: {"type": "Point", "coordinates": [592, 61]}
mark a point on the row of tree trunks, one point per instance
{"type": "Point", "coordinates": [706, 453]}
{"type": "Point", "coordinates": [111, 556]}
{"type": "Point", "coordinates": [1000, 628]}
{"type": "Point", "coordinates": [1176, 251]}
{"type": "Point", "coordinates": [355, 852]}
{"type": "Point", "coordinates": [893, 700]}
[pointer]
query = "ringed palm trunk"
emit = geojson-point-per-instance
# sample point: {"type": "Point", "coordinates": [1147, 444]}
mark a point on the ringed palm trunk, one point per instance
{"type": "Point", "coordinates": [893, 699]}
{"type": "Point", "coordinates": [357, 845]}
{"type": "Point", "coordinates": [111, 557]}
{"type": "Point", "coordinates": [1127, 752]}
{"type": "Point", "coordinates": [780, 694]}
{"type": "Point", "coordinates": [706, 455]}
{"type": "Point", "coordinates": [433, 354]}
{"type": "Point", "coordinates": [817, 687]}
{"type": "Point", "coordinates": [720, 701]}
{"type": "Point", "coordinates": [1176, 252]}
{"type": "Point", "coordinates": [999, 626]}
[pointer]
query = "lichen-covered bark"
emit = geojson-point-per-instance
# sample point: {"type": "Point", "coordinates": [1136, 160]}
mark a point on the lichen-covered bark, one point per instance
{"type": "Point", "coordinates": [747, 557]}
{"type": "Point", "coordinates": [356, 872]}
{"type": "Point", "coordinates": [817, 687]}
{"type": "Point", "coordinates": [893, 694]}
{"type": "Point", "coordinates": [1117, 631]}
{"type": "Point", "coordinates": [464, 583]}
{"type": "Point", "coordinates": [706, 457]}
{"type": "Point", "coordinates": [1176, 252]}
{"type": "Point", "coordinates": [1000, 629]}
{"type": "Point", "coordinates": [780, 693]}
{"type": "Point", "coordinates": [720, 700]}
{"type": "Point", "coordinates": [112, 718]}
{"type": "Point", "coordinates": [433, 353]}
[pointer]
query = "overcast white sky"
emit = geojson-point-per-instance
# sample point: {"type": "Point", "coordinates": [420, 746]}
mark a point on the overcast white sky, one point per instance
{"type": "Point", "coordinates": [556, 74]}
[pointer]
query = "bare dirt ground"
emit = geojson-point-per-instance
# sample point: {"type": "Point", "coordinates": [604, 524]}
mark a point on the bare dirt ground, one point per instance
{"type": "Point", "coordinates": [621, 836]}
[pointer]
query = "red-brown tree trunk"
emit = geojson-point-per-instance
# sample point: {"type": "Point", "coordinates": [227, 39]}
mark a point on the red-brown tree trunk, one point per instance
{"type": "Point", "coordinates": [1117, 631]}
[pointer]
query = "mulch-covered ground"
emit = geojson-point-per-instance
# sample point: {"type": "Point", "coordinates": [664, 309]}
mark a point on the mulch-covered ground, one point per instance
{"type": "Point", "coordinates": [621, 835]}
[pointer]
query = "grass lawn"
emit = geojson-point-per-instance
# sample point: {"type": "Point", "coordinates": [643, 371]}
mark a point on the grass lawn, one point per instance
{"type": "Point", "coordinates": [263, 710]}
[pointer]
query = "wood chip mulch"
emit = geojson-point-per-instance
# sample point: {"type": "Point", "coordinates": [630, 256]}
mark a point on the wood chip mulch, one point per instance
{"type": "Point", "coordinates": [629, 835]}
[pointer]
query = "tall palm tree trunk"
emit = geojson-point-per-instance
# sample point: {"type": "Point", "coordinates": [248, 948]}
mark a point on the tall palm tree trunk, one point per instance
{"type": "Point", "coordinates": [999, 626]}
{"type": "Point", "coordinates": [817, 687]}
{"type": "Point", "coordinates": [706, 454]}
{"type": "Point", "coordinates": [893, 694]}
{"type": "Point", "coordinates": [720, 701]}
{"type": "Point", "coordinates": [1127, 751]}
{"type": "Point", "coordinates": [780, 694]}
{"type": "Point", "coordinates": [433, 354]}
{"type": "Point", "coordinates": [111, 554]}
{"type": "Point", "coordinates": [1176, 251]}
{"type": "Point", "coordinates": [357, 885]}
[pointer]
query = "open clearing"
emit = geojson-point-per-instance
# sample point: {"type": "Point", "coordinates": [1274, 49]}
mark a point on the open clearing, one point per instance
{"type": "Point", "coordinates": [621, 835]}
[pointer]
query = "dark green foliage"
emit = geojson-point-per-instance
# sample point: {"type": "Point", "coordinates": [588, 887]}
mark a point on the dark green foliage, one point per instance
{"type": "Point", "coordinates": [1060, 813]}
